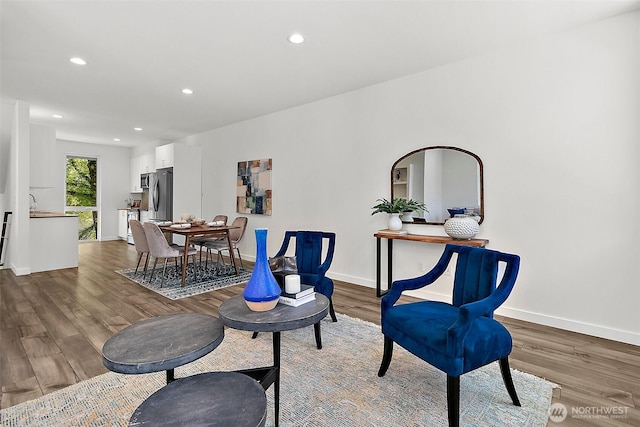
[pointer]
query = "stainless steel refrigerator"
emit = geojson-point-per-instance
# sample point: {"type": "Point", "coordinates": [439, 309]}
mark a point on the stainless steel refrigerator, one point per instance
{"type": "Point", "coordinates": [162, 195]}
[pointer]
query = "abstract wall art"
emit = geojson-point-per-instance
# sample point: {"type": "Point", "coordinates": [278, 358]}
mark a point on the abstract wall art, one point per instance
{"type": "Point", "coordinates": [253, 195]}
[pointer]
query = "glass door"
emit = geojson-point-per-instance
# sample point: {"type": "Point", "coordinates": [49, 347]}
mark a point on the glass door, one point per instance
{"type": "Point", "coordinates": [82, 195]}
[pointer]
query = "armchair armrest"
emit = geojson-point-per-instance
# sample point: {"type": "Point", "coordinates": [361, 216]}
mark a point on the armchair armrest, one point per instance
{"type": "Point", "coordinates": [322, 270]}
{"type": "Point", "coordinates": [484, 307]}
{"type": "Point", "coordinates": [285, 243]}
{"type": "Point", "coordinates": [398, 286]}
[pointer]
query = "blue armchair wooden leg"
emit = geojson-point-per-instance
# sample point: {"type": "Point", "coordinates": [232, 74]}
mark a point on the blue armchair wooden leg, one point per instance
{"type": "Point", "coordinates": [254, 336]}
{"type": "Point", "coordinates": [332, 311]}
{"type": "Point", "coordinates": [508, 381]}
{"type": "Point", "coordinates": [386, 357]}
{"type": "Point", "coordinates": [453, 400]}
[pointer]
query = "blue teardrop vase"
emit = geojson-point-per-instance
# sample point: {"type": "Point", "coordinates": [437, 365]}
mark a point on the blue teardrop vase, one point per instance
{"type": "Point", "coordinates": [262, 291]}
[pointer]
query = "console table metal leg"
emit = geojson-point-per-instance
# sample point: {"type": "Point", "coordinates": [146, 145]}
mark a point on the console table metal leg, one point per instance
{"type": "Point", "coordinates": [378, 289]}
{"type": "Point", "coordinates": [389, 264]}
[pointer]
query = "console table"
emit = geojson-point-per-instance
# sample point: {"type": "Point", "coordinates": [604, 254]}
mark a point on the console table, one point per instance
{"type": "Point", "coordinates": [443, 240]}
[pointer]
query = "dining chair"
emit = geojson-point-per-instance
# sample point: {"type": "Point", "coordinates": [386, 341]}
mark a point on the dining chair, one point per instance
{"type": "Point", "coordinates": [221, 244]}
{"type": "Point", "coordinates": [459, 337]}
{"type": "Point", "coordinates": [200, 240]}
{"type": "Point", "coordinates": [159, 247]}
{"type": "Point", "coordinates": [140, 243]}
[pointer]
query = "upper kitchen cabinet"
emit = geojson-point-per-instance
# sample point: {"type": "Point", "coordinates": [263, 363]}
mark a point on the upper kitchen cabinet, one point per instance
{"type": "Point", "coordinates": [165, 156]}
{"type": "Point", "coordinates": [42, 149]}
{"type": "Point", "coordinates": [187, 180]}
{"type": "Point", "coordinates": [139, 165]}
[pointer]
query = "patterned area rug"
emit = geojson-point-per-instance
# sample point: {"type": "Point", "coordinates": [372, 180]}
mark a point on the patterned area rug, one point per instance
{"type": "Point", "coordinates": [337, 386]}
{"type": "Point", "coordinates": [213, 276]}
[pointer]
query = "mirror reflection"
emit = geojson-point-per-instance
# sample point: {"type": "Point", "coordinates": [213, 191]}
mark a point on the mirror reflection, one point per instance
{"type": "Point", "coordinates": [447, 179]}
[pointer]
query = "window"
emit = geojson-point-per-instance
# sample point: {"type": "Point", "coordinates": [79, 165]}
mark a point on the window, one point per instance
{"type": "Point", "coordinates": [81, 195]}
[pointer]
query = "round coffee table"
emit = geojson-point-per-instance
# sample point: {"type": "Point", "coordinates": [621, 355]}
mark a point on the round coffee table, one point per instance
{"type": "Point", "coordinates": [211, 399]}
{"type": "Point", "coordinates": [235, 314]}
{"type": "Point", "coordinates": [162, 343]}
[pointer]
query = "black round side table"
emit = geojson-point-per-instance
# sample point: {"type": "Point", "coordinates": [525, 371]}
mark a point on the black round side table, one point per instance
{"type": "Point", "coordinates": [217, 399]}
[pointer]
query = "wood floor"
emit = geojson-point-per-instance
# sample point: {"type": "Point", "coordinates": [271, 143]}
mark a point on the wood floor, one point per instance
{"type": "Point", "coordinates": [53, 325]}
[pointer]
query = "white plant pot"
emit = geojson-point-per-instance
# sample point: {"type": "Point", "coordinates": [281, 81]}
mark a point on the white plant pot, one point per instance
{"type": "Point", "coordinates": [394, 223]}
{"type": "Point", "coordinates": [407, 217]}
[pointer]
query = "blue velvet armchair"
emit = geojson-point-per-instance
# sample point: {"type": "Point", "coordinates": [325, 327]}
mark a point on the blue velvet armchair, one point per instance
{"type": "Point", "coordinates": [311, 268]}
{"type": "Point", "coordinates": [460, 337]}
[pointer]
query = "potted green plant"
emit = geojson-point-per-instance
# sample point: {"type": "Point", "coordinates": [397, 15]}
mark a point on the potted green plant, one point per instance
{"type": "Point", "coordinates": [410, 206]}
{"type": "Point", "coordinates": [385, 206]}
{"type": "Point", "coordinates": [396, 207]}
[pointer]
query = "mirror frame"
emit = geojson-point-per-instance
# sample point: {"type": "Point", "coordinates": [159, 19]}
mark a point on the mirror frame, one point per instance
{"type": "Point", "coordinates": [481, 173]}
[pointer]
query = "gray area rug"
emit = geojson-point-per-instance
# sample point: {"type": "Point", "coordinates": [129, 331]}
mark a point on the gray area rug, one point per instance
{"type": "Point", "coordinates": [337, 386]}
{"type": "Point", "coordinates": [210, 277]}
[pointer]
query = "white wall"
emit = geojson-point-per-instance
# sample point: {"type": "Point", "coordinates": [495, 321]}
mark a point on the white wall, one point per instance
{"type": "Point", "coordinates": [556, 125]}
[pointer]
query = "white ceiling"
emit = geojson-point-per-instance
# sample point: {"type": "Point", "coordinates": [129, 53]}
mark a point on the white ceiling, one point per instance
{"type": "Point", "coordinates": [236, 57]}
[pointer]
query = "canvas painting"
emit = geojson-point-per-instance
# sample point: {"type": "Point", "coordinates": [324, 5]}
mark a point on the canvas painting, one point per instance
{"type": "Point", "coordinates": [253, 194]}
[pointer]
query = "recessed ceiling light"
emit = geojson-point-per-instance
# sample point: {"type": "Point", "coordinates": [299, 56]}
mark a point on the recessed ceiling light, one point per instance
{"type": "Point", "coordinates": [187, 91]}
{"type": "Point", "coordinates": [296, 38]}
{"type": "Point", "coordinates": [116, 139]}
{"type": "Point", "coordinates": [138, 129]}
{"type": "Point", "coordinates": [56, 116]}
{"type": "Point", "coordinates": [78, 61]}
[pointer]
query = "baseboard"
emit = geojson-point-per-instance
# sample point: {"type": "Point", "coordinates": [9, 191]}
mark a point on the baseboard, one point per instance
{"type": "Point", "coordinates": [20, 271]}
{"type": "Point", "coordinates": [600, 331]}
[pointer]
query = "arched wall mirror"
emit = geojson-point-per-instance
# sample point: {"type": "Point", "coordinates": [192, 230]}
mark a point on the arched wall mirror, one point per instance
{"type": "Point", "coordinates": [441, 177]}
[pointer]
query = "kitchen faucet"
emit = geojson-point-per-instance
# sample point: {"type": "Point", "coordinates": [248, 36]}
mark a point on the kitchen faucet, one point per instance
{"type": "Point", "coordinates": [34, 205]}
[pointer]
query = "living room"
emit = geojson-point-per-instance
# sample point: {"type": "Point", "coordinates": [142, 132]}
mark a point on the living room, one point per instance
{"type": "Point", "coordinates": [554, 120]}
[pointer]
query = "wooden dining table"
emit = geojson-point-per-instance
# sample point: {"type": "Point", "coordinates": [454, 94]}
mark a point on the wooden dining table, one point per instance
{"type": "Point", "coordinates": [202, 231]}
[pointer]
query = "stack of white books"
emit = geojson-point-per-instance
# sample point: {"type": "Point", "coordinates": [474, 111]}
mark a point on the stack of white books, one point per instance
{"type": "Point", "coordinates": [305, 295]}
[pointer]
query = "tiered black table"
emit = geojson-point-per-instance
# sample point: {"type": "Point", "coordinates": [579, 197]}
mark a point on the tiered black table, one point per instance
{"type": "Point", "coordinates": [166, 342]}
{"type": "Point", "coordinates": [217, 399]}
{"type": "Point", "coordinates": [162, 343]}
{"type": "Point", "coordinates": [235, 314]}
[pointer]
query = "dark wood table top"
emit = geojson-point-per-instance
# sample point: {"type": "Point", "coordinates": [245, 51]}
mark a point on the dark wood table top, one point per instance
{"type": "Point", "coordinates": [210, 399]}
{"type": "Point", "coordinates": [162, 343]}
{"type": "Point", "coordinates": [235, 314]}
{"type": "Point", "coordinates": [199, 229]}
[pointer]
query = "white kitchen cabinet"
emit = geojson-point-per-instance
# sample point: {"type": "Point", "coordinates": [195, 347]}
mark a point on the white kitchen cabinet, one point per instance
{"type": "Point", "coordinates": [165, 156]}
{"type": "Point", "coordinates": [53, 243]}
{"type": "Point", "coordinates": [122, 223]}
{"type": "Point", "coordinates": [147, 163]}
{"type": "Point", "coordinates": [139, 165]}
{"type": "Point", "coordinates": [42, 148]}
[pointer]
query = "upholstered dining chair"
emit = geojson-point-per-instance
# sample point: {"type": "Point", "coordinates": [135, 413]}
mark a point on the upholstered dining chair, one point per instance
{"type": "Point", "coordinates": [221, 244]}
{"type": "Point", "coordinates": [459, 337]}
{"type": "Point", "coordinates": [200, 240]}
{"type": "Point", "coordinates": [159, 248]}
{"type": "Point", "coordinates": [140, 244]}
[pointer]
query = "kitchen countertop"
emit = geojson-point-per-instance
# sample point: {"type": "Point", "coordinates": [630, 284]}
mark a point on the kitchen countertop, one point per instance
{"type": "Point", "coordinates": [47, 214]}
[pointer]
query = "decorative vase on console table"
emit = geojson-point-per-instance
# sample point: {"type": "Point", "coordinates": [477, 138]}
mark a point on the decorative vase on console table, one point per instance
{"type": "Point", "coordinates": [462, 227]}
{"type": "Point", "coordinates": [262, 291]}
{"type": "Point", "coordinates": [394, 223]}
